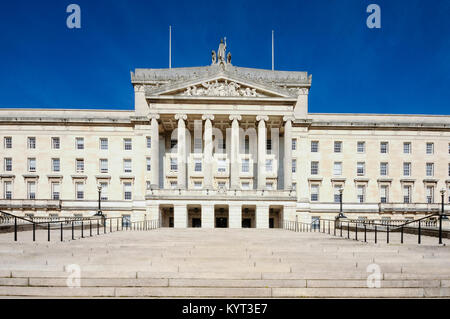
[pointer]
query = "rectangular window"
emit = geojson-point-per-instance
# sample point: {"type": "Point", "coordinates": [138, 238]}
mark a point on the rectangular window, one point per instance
{"type": "Point", "coordinates": [337, 168]}
{"type": "Point", "coordinates": [361, 193]}
{"type": "Point", "coordinates": [337, 193]}
{"type": "Point", "coordinates": [384, 169]}
{"type": "Point", "coordinates": [430, 169]}
{"type": "Point", "coordinates": [361, 147]}
{"type": "Point", "coordinates": [104, 191]}
{"type": "Point", "coordinates": [103, 165]}
{"type": "Point", "coordinates": [197, 145]}
{"type": "Point", "coordinates": [245, 185]}
{"type": "Point", "coordinates": [148, 162]}
{"type": "Point", "coordinates": [79, 189]}
{"type": "Point", "coordinates": [8, 164]}
{"type": "Point", "coordinates": [294, 166]}
{"type": "Point", "coordinates": [294, 144]}
{"type": "Point", "coordinates": [31, 190]}
{"type": "Point", "coordinates": [384, 147]}
{"type": "Point", "coordinates": [173, 164]}
{"type": "Point", "coordinates": [56, 143]}
{"type": "Point", "coordinates": [430, 194]}
{"type": "Point", "coordinates": [79, 143]}
{"type": "Point", "coordinates": [269, 145]}
{"type": "Point", "coordinates": [407, 194]}
{"type": "Point", "coordinates": [56, 189]}
{"type": "Point", "coordinates": [338, 147]}
{"type": "Point", "coordinates": [80, 165]}
{"type": "Point", "coordinates": [361, 168]}
{"type": "Point", "coordinates": [197, 185]}
{"type": "Point", "coordinates": [269, 167]}
{"type": "Point", "coordinates": [198, 165]}
{"type": "Point", "coordinates": [149, 142]}
{"type": "Point", "coordinates": [7, 142]}
{"type": "Point", "coordinates": [7, 189]}
{"type": "Point", "coordinates": [221, 165]}
{"type": "Point", "coordinates": [103, 143]}
{"type": "Point", "coordinates": [384, 194]}
{"type": "Point", "coordinates": [173, 184]}
{"type": "Point", "coordinates": [56, 165]}
{"type": "Point", "coordinates": [406, 169]}
{"type": "Point", "coordinates": [127, 166]}
{"type": "Point", "coordinates": [245, 165]}
{"type": "Point", "coordinates": [222, 185]}
{"type": "Point", "coordinates": [269, 186]}
{"type": "Point", "coordinates": [247, 145]}
{"type": "Point", "coordinates": [430, 148]}
{"type": "Point", "coordinates": [314, 146]}
{"type": "Point", "coordinates": [174, 145]}
{"type": "Point", "coordinates": [127, 144]}
{"type": "Point", "coordinates": [128, 194]}
{"type": "Point", "coordinates": [31, 165]}
{"type": "Point", "coordinates": [407, 148]}
{"type": "Point", "coordinates": [314, 193]}
{"type": "Point", "coordinates": [31, 143]}
{"type": "Point", "coordinates": [314, 168]}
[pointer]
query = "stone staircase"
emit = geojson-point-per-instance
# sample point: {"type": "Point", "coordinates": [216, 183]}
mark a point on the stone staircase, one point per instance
{"type": "Point", "coordinates": [199, 263]}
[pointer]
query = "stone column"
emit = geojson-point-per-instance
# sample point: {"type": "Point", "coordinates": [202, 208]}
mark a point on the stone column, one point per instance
{"type": "Point", "coordinates": [235, 215]}
{"type": "Point", "coordinates": [262, 216]}
{"type": "Point", "coordinates": [262, 150]}
{"type": "Point", "coordinates": [235, 151]}
{"type": "Point", "coordinates": [180, 216]}
{"type": "Point", "coordinates": [154, 160]}
{"type": "Point", "coordinates": [181, 147]}
{"type": "Point", "coordinates": [288, 152]}
{"type": "Point", "coordinates": [207, 216]}
{"type": "Point", "coordinates": [208, 152]}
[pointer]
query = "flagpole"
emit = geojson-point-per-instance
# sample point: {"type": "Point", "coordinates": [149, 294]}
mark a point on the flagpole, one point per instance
{"type": "Point", "coordinates": [170, 47]}
{"type": "Point", "coordinates": [273, 50]}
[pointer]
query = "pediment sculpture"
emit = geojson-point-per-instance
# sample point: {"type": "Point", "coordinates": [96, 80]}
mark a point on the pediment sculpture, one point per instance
{"type": "Point", "coordinates": [216, 88]}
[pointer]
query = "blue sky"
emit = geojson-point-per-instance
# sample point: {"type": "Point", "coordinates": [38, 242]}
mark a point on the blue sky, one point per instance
{"type": "Point", "coordinates": [404, 67]}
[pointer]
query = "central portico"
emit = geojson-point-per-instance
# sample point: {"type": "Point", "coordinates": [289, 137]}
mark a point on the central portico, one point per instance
{"type": "Point", "coordinates": [221, 142]}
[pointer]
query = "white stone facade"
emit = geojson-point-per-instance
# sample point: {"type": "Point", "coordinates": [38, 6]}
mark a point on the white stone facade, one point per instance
{"type": "Point", "coordinates": [222, 146]}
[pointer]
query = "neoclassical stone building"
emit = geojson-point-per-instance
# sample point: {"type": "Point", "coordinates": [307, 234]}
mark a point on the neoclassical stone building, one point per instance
{"type": "Point", "coordinates": [222, 146]}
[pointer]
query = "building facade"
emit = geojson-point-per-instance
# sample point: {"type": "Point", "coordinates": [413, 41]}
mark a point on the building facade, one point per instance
{"type": "Point", "coordinates": [222, 146]}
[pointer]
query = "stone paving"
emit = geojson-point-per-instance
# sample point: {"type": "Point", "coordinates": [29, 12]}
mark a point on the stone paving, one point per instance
{"type": "Point", "coordinates": [193, 263]}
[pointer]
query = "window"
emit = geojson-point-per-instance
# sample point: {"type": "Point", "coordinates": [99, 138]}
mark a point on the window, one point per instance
{"type": "Point", "coordinates": [294, 186]}
{"type": "Point", "coordinates": [294, 144]}
{"type": "Point", "coordinates": [32, 165]}
{"type": "Point", "coordinates": [269, 167]}
{"type": "Point", "coordinates": [245, 185]}
{"type": "Point", "coordinates": [430, 194]}
{"type": "Point", "coordinates": [222, 144]}
{"type": "Point", "coordinates": [103, 165]}
{"type": "Point", "coordinates": [269, 145]}
{"type": "Point", "coordinates": [384, 194]}
{"type": "Point", "coordinates": [103, 143]}
{"type": "Point", "coordinates": [221, 165]}
{"type": "Point", "coordinates": [384, 147]}
{"type": "Point", "coordinates": [149, 142]}
{"type": "Point", "coordinates": [337, 169]}
{"type": "Point", "coordinates": [337, 193]}
{"type": "Point", "coordinates": [79, 189]}
{"type": "Point", "coordinates": [269, 186]}
{"type": "Point", "coordinates": [338, 147]}
{"type": "Point", "coordinates": [197, 185]}
{"type": "Point", "coordinates": [127, 144]}
{"type": "Point", "coordinates": [448, 169]}
{"type": "Point", "coordinates": [148, 164]}
{"type": "Point", "coordinates": [149, 185]}
{"type": "Point", "coordinates": [104, 191]}
{"type": "Point", "coordinates": [406, 169]}
{"type": "Point", "coordinates": [7, 142]}
{"type": "Point", "coordinates": [314, 193]}
{"type": "Point", "coordinates": [407, 148]}
{"type": "Point", "coordinates": [222, 185]}
{"type": "Point", "coordinates": [314, 146]}
{"type": "Point", "coordinates": [173, 184]}
{"type": "Point", "coordinates": [314, 168]}
{"type": "Point", "coordinates": [128, 195]}
{"type": "Point", "coordinates": [8, 164]}
{"type": "Point", "coordinates": [430, 169]}
{"type": "Point", "coordinates": [406, 194]}
{"type": "Point", "coordinates": [361, 168]}
{"type": "Point", "coordinates": [245, 165]}
{"type": "Point", "coordinates": [294, 166]}
{"type": "Point", "coordinates": [31, 142]}
{"type": "Point", "coordinates": [79, 143]}
{"type": "Point", "coordinates": [198, 145]}
{"type": "Point", "coordinates": [174, 145]}
{"type": "Point", "coordinates": [198, 165]}
{"type": "Point", "coordinates": [31, 190]}
{"type": "Point", "coordinates": [247, 145]}
{"type": "Point", "coordinates": [361, 193]}
{"type": "Point", "coordinates": [127, 166]}
{"type": "Point", "coordinates": [7, 189]}
{"type": "Point", "coordinates": [56, 191]}
{"type": "Point", "coordinates": [384, 169]}
{"type": "Point", "coordinates": [430, 148]}
{"type": "Point", "coordinates": [80, 165]}
{"type": "Point", "coordinates": [56, 165]}
{"type": "Point", "coordinates": [361, 147]}
{"type": "Point", "coordinates": [56, 143]}
{"type": "Point", "coordinates": [173, 164]}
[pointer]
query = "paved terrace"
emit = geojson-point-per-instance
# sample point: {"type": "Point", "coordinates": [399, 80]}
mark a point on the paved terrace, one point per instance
{"type": "Point", "coordinates": [221, 263]}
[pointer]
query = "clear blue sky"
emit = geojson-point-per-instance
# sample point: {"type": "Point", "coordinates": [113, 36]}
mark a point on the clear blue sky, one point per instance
{"type": "Point", "coordinates": [404, 67]}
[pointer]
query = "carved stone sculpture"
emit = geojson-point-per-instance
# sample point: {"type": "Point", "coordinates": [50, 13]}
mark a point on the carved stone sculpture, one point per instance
{"type": "Point", "coordinates": [214, 57]}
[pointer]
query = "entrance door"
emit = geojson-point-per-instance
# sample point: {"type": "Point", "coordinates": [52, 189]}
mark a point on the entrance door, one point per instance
{"type": "Point", "coordinates": [271, 223]}
{"type": "Point", "coordinates": [221, 222]}
{"type": "Point", "coordinates": [246, 223]}
{"type": "Point", "coordinates": [171, 222]}
{"type": "Point", "coordinates": [196, 223]}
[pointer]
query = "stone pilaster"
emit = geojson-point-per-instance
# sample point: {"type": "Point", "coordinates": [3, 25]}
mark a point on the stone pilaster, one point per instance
{"type": "Point", "coordinates": [180, 216]}
{"type": "Point", "coordinates": [262, 216]}
{"type": "Point", "coordinates": [235, 215]}
{"type": "Point", "coordinates": [140, 102]}
{"type": "Point", "coordinates": [208, 152]}
{"type": "Point", "coordinates": [208, 216]}
{"type": "Point", "coordinates": [235, 151]}
{"type": "Point", "coordinates": [154, 135]}
{"type": "Point", "coordinates": [181, 147]}
{"type": "Point", "coordinates": [262, 150]}
{"type": "Point", "coordinates": [288, 152]}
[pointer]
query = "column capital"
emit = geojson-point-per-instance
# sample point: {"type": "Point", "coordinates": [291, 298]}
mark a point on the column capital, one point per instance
{"type": "Point", "coordinates": [235, 117]}
{"type": "Point", "coordinates": [139, 88]}
{"type": "Point", "coordinates": [260, 118]}
{"type": "Point", "coordinates": [208, 117]}
{"type": "Point", "coordinates": [154, 116]}
{"type": "Point", "coordinates": [181, 116]}
{"type": "Point", "coordinates": [288, 118]}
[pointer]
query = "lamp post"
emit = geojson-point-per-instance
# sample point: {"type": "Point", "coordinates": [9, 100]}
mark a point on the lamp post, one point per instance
{"type": "Point", "coordinates": [441, 215]}
{"type": "Point", "coordinates": [99, 212]}
{"type": "Point", "coordinates": [341, 214]}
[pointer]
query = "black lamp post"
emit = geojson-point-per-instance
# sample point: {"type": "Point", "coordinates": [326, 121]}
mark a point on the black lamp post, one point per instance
{"type": "Point", "coordinates": [341, 214]}
{"type": "Point", "coordinates": [99, 212]}
{"type": "Point", "coordinates": [441, 215]}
